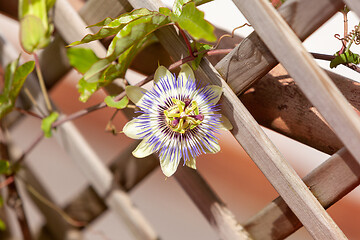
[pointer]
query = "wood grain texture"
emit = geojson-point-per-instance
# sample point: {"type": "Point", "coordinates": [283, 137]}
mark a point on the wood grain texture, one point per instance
{"type": "Point", "coordinates": [315, 84]}
{"type": "Point", "coordinates": [329, 182]}
{"type": "Point", "coordinates": [210, 205]}
{"type": "Point", "coordinates": [260, 148]}
{"type": "Point", "coordinates": [251, 59]}
{"type": "Point", "coordinates": [276, 102]}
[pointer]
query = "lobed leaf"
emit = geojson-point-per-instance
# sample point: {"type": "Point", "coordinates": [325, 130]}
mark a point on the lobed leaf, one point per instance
{"type": "Point", "coordinates": [81, 58]}
{"type": "Point", "coordinates": [47, 122]}
{"type": "Point", "coordinates": [192, 20]}
{"type": "Point", "coordinates": [119, 104]}
{"type": "Point", "coordinates": [346, 57]}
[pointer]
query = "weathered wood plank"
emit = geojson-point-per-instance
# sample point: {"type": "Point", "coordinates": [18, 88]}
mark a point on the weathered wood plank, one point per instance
{"type": "Point", "coordinates": [276, 102]}
{"type": "Point", "coordinates": [251, 59]}
{"type": "Point", "coordinates": [329, 182]}
{"type": "Point", "coordinates": [258, 146]}
{"type": "Point", "coordinates": [315, 84]}
{"type": "Point", "coordinates": [210, 205]}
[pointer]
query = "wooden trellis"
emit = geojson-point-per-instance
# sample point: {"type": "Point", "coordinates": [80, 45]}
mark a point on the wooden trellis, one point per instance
{"type": "Point", "coordinates": [301, 202]}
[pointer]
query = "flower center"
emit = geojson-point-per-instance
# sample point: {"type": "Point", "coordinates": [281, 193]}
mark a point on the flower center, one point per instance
{"type": "Point", "coordinates": [183, 115]}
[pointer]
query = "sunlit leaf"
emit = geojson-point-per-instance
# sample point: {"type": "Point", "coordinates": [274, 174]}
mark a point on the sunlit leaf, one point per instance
{"type": "Point", "coordinates": [86, 89]}
{"type": "Point", "coordinates": [134, 32]}
{"type": "Point", "coordinates": [165, 11]}
{"type": "Point", "coordinates": [47, 122]}
{"type": "Point", "coordinates": [112, 26]}
{"type": "Point", "coordinates": [81, 58]}
{"type": "Point", "coordinates": [119, 104]}
{"type": "Point", "coordinates": [178, 4]}
{"type": "Point", "coordinates": [346, 57]}
{"type": "Point", "coordinates": [4, 167]}
{"type": "Point", "coordinates": [37, 8]}
{"type": "Point", "coordinates": [192, 20]}
{"type": "Point", "coordinates": [14, 80]}
{"type": "Point", "coordinates": [32, 33]}
{"type": "Point", "coordinates": [35, 29]}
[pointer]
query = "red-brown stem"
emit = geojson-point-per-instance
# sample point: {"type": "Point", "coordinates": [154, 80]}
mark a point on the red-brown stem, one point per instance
{"type": "Point", "coordinates": [186, 41]}
{"type": "Point", "coordinates": [6, 182]}
{"type": "Point", "coordinates": [23, 111]}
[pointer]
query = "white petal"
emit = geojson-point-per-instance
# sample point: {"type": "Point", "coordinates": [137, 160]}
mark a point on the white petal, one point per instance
{"type": "Point", "coordinates": [186, 73]}
{"type": "Point", "coordinates": [215, 92]}
{"type": "Point", "coordinates": [191, 163]}
{"type": "Point", "coordinates": [135, 94]}
{"type": "Point", "coordinates": [169, 164]}
{"type": "Point", "coordinates": [162, 72]}
{"type": "Point", "coordinates": [215, 148]}
{"type": "Point", "coordinates": [132, 129]}
{"type": "Point", "coordinates": [225, 123]}
{"type": "Point", "coordinates": [143, 149]}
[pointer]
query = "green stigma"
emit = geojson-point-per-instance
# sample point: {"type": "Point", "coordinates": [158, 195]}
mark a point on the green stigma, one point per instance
{"type": "Point", "coordinates": [183, 115]}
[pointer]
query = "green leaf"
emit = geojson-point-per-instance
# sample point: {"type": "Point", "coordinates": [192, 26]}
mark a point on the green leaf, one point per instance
{"type": "Point", "coordinates": [164, 11]}
{"type": "Point", "coordinates": [119, 104]}
{"type": "Point", "coordinates": [134, 32]}
{"type": "Point", "coordinates": [47, 122]}
{"type": "Point", "coordinates": [37, 8]}
{"type": "Point", "coordinates": [192, 20]}
{"type": "Point", "coordinates": [178, 4]}
{"type": "Point", "coordinates": [86, 89]}
{"type": "Point", "coordinates": [199, 47]}
{"type": "Point", "coordinates": [35, 29]}
{"type": "Point", "coordinates": [4, 167]}
{"type": "Point", "coordinates": [14, 80]}
{"type": "Point", "coordinates": [81, 58]}
{"type": "Point", "coordinates": [32, 33]}
{"type": "Point", "coordinates": [20, 76]}
{"type": "Point", "coordinates": [346, 57]}
{"type": "Point", "coordinates": [112, 26]}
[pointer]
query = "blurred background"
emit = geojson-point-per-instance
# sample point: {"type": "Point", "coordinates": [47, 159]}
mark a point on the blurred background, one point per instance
{"type": "Point", "coordinates": [231, 173]}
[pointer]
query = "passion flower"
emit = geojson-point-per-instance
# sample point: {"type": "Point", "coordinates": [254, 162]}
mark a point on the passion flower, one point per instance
{"type": "Point", "coordinates": [179, 119]}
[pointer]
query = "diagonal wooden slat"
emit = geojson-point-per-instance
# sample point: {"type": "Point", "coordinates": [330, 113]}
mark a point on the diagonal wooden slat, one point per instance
{"type": "Point", "coordinates": [258, 146]}
{"type": "Point", "coordinates": [329, 182]}
{"type": "Point", "coordinates": [251, 59]}
{"type": "Point", "coordinates": [313, 81]}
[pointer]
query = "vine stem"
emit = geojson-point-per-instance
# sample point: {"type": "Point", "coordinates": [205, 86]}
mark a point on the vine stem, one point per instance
{"type": "Point", "coordinates": [42, 83]}
{"type": "Point", "coordinates": [327, 57]}
{"type": "Point", "coordinates": [186, 41]}
{"type": "Point", "coordinates": [351, 41]}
